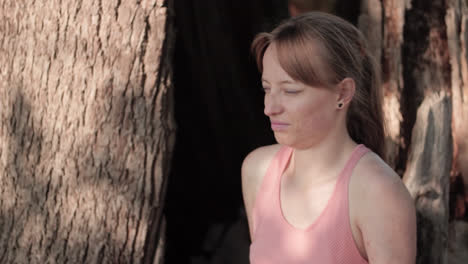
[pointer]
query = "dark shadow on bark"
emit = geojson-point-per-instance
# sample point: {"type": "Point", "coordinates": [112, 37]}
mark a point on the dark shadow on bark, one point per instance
{"type": "Point", "coordinates": [156, 228]}
{"type": "Point", "coordinates": [457, 203]}
{"type": "Point", "coordinates": [52, 190]}
{"type": "Point", "coordinates": [416, 34]}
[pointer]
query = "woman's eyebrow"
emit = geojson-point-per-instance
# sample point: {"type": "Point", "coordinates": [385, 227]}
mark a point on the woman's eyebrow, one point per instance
{"type": "Point", "coordinates": [280, 82]}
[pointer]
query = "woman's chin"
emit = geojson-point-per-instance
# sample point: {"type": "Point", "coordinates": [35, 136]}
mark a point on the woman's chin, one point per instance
{"type": "Point", "coordinates": [295, 143]}
{"type": "Point", "coordinates": [284, 140]}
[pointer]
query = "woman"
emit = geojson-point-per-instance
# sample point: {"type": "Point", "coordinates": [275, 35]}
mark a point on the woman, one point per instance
{"type": "Point", "coordinates": [323, 194]}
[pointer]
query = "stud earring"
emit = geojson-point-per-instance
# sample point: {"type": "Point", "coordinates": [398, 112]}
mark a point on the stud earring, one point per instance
{"type": "Point", "coordinates": [340, 105]}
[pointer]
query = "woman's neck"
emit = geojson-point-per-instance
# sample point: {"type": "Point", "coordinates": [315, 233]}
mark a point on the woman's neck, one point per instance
{"type": "Point", "coordinates": [321, 162]}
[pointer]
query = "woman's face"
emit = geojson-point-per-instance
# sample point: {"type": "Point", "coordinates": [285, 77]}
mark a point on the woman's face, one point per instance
{"type": "Point", "coordinates": [300, 115]}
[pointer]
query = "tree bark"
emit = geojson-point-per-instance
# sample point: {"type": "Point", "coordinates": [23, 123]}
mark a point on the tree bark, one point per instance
{"type": "Point", "coordinates": [371, 15]}
{"type": "Point", "coordinates": [392, 77]}
{"type": "Point", "coordinates": [86, 130]}
{"type": "Point", "coordinates": [426, 127]}
{"type": "Point", "coordinates": [457, 251]}
{"type": "Point", "coordinates": [417, 74]}
{"type": "Point", "coordinates": [457, 22]}
{"type": "Point", "coordinates": [427, 176]}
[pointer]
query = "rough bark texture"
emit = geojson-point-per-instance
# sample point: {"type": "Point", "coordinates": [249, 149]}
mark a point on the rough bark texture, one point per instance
{"type": "Point", "coordinates": [458, 243]}
{"type": "Point", "coordinates": [457, 23]}
{"type": "Point", "coordinates": [427, 176]}
{"type": "Point", "coordinates": [392, 76]}
{"type": "Point", "coordinates": [86, 130]}
{"type": "Point", "coordinates": [371, 15]}
{"type": "Point", "coordinates": [417, 74]}
{"type": "Point", "coordinates": [426, 128]}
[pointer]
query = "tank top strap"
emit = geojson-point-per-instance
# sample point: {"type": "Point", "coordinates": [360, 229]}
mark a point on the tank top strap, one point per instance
{"type": "Point", "coordinates": [284, 154]}
{"type": "Point", "coordinates": [356, 155]}
{"type": "Point", "coordinates": [276, 167]}
{"type": "Point", "coordinates": [267, 187]}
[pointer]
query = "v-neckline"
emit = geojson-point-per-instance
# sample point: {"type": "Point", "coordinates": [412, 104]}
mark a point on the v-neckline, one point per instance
{"type": "Point", "coordinates": [325, 209]}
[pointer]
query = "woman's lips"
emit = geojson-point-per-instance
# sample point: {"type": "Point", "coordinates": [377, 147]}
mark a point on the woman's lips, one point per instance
{"type": "Point", "coordinates": [278, 126]}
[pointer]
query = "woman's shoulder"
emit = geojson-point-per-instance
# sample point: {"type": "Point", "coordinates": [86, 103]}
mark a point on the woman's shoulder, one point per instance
{"type": "Point", "coordinates": [254, 168]}
{"type": "Point", "coordinates": [372, 171]}
{"type": "Point", "coordinates": [261, 154]}
{"type": "Point", "coordinates": [257, 161]}
{"type": "Point", "coordinates": [379, 201]}
{"type": "Point", "coordinates": [380, 193]}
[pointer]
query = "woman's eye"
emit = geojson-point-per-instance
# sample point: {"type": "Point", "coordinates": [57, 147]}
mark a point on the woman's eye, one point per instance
{"type": "Point", "coordinates": [292, 91]}
{"type": "Point", "coordinates": [266, 89]}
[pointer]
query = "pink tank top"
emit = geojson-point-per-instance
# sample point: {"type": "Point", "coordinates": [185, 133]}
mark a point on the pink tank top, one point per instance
{"type": "Point", "coordinates": [326, 241]}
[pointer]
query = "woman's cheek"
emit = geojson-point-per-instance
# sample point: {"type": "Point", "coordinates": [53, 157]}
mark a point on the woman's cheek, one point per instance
{"type": "Point", "coordinates": [317, 122]}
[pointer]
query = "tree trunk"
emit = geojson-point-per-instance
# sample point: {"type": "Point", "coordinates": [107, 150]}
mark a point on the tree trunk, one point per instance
{"type": "Point", "coordinates": [392, 77]}
{"type": "Point", "coordinates": [86, 130]}
{"type": "Point", "coordinates": [426, 127]}
{"type": "Point", "coordinates": [423, 56]}
{"type": "Point", "coordinates": [457, 22]}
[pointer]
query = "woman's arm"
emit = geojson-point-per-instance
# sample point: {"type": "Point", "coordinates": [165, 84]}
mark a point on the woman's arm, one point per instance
{"type": "Point", "coordinates": [385, 215]}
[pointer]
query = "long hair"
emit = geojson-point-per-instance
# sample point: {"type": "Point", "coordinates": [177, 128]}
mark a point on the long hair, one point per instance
{"type": "Point", "coordinates": [322, 49]}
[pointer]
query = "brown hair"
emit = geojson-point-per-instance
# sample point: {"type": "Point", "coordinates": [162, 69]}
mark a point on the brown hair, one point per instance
{"type": "Point", "coordinates": [320, 49]}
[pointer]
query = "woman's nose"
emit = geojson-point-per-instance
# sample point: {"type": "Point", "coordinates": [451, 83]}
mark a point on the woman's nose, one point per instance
{"type": "Point", "coordinates": [272, 105]}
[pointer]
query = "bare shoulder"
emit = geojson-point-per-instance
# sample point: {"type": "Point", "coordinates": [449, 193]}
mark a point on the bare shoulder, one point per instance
{"type": "Point", "coordinates": [373, 177]}
{"type": "Point", "coordinates": [253, 170]}
{"type": "Point", "coordinates": [255, 166]}
{"type": "Point", "coordinates": [383, 211]}
{"type": "Point", "coordinates": [258, 161]}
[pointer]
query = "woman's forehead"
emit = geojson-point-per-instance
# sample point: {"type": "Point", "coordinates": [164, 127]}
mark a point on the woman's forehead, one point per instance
{"type": "Point", "coordinates": [272, 70]}
{"type": "Point", "coordinates": [275, 58]}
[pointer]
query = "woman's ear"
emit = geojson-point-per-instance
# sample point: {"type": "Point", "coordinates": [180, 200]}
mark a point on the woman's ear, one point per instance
{"type": "Point", "coordinates": [345, 92]}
